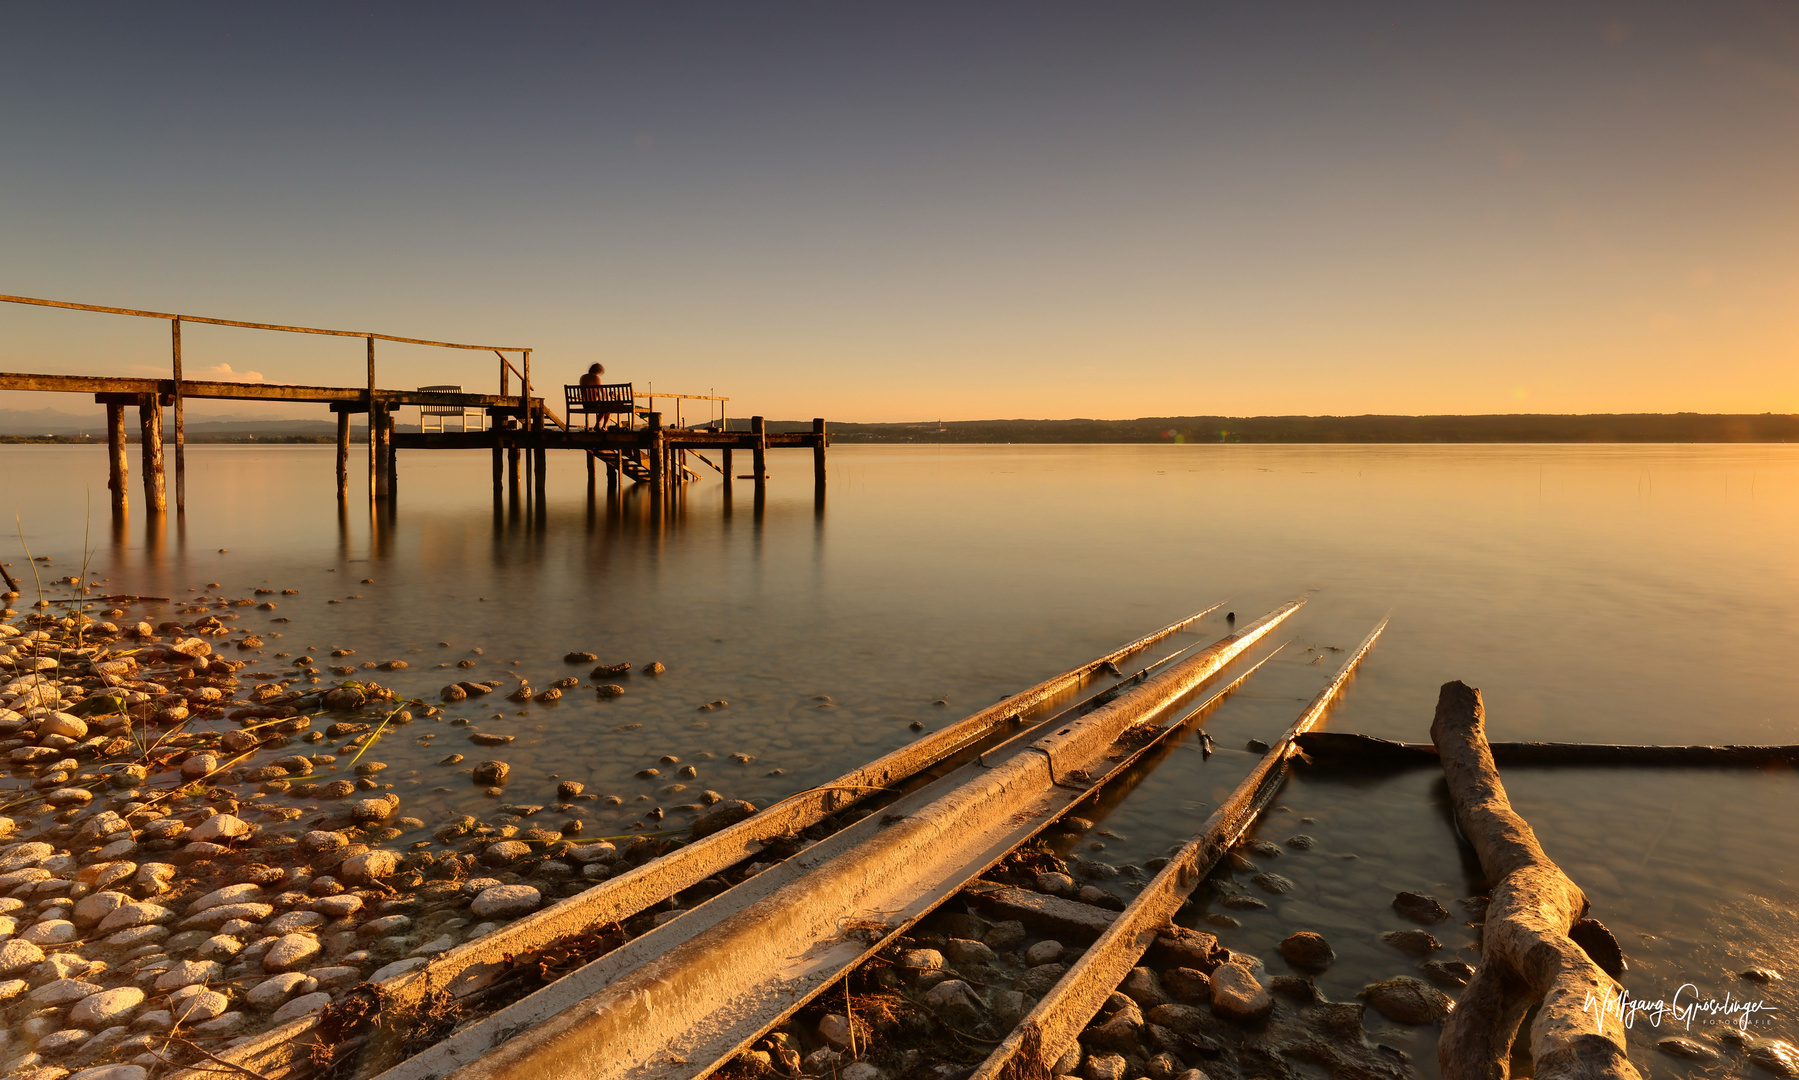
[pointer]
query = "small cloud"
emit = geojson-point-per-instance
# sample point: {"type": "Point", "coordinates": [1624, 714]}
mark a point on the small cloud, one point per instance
{"type": "Point", "coordinates": [223, 373]}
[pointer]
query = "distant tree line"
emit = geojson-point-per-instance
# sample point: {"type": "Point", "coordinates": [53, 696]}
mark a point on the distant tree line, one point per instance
{"type": "Point", "coordinates": [1519, 427]}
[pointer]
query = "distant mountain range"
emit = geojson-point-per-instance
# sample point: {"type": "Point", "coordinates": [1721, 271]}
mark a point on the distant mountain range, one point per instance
{"type": "Point", "coordinates": [1500, 428]}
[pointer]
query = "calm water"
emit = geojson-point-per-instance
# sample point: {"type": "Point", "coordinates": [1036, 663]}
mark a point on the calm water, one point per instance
{"type": "Point", "coordinates": [1621, 594]}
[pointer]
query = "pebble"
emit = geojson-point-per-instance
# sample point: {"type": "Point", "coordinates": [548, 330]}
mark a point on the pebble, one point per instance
{"type": "Point", "coordinates": [106, 1008]}
{"type": "Point", "coordinates": [63, 992]}
{"type": "Point", "coordinates": [273, 991]}
{"type": "Point", "coordinates": [955, 1001]}
{"type": "Point", "coordinates": [187, 973]}
{"type": "Point", "coordinates": [398, 967]}
{"type": "Point", "coordinates": [1055, 884]}
{"type": "Point", "coordinates": [290, 952]}
{"type": "Point", "coordinates": [230, 894]}
{"type": "Point", "coordinates": [369, 866]}
{"type": "Point", "coordinates": [301, 1007]}
{"type": "Point", "coordinates": [1687, 1049]}
{"type": "Point", "coordinates": [51, 932]}
{"type": "Point", "coordinates": [1777, 1057]}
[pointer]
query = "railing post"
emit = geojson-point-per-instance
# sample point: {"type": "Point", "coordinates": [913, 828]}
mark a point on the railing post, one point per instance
{"type": "Point", "coordinates": [374, 444]}
{"type": "Point", "coordinates": [180, 422]}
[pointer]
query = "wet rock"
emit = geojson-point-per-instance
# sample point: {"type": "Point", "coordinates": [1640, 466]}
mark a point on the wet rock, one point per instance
{"type": "Point", "coordinates": [1761, 975]}
{"type": "Point", "coordinates": [300, 1008]}
{"type": "Point", "coordinates": [453, 692]}
{"type": "Point", "coordinates": [369, 866]}
{"type": "Point", "coordinates": [1274, 883]}
{"type": "Point", "coordinates": [654, 667]}
{"type": "Point", "coordinates": [1777, 1057]}
{"type": "Point", "coordinates": [492, 773]}
{"type": "Point", "coordinates": [290, 952]}
{"type": "Point", "coordinates": [220, 828]}
{"type": "Point", "coordinates": [961, 951]}
{"type": "Point", "coordinates": [1308, 951]}
{"type": "Point", "coordinates": [1407, 1000]}
{"type": "Point", "coordinates": [835, 1031]}
{"type": "Point", "coordinates": [1687, 1049]}
{"type": "Point", "coordinates": [1412, 942]}
{"type": "Point", "coordinates": [505, 852]}
{"type": "Point", "coordinates": [919, 960]}
{"type": "Point", "coordinates": [955, 1001]}
{"type": "Point", "coordinates": [505, 901]}
{"type": "Point", "coordinates": [1450, 973]}
{"type": "Point", "coordinates": [1039, 979]}
{"type": "Point", "coordinates": [1120, 1029]}
{"type": "Point", "coordinates": [1055, 884]}
{"type": "Point", "coordinates": [1004, 936]}
{"type": "Point", "coordinates": [1420, 907]}
{"type": "Point", "coordinates": [1238, 996]}
{"type": "Point", "coordinates": [368, 811]}
{"type": "Point", "coordinates": [1188, 984]}
{"type": "Point", "coordinates": [721, 816]}
{"type": "Point", "coordinates": [569, 790]}
{"type": "Point", "coordinates": [1143, 986]}
{"type": "Point", "coordinates": [106, 1008]}
{"type": "Point", "coordinates": [1164, 1066]}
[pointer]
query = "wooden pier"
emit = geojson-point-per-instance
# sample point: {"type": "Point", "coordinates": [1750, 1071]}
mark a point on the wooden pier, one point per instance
{"type": "Point", "coordinates": [520, 427]}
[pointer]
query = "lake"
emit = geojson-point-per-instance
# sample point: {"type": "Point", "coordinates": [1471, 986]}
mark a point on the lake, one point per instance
{"type": "Point", "coordinates": [1641, 593]}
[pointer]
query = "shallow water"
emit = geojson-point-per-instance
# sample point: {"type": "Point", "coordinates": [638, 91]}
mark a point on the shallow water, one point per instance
{"type": "Point", "coordinates": [1605, 593]}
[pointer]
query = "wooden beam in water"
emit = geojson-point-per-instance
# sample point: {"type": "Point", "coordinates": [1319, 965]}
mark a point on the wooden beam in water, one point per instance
{"type": "Point", "coordinates": [1344, 748]}
{"type": "Point", "coordinates": [759, 452]}
{"type": "Point", "coordinates": [818, 453]}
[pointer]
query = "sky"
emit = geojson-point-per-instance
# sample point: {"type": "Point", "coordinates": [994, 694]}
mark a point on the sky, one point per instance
{"type": "Point", "coordinates": [923, 211]}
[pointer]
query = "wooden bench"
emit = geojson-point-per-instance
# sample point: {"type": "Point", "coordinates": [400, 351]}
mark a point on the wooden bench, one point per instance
{"type": "Point", "coordinates": [603, 400]}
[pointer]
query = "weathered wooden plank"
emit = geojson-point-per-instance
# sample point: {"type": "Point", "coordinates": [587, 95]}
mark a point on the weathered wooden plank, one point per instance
{"type": "Point", "coordinates": [229, 391]}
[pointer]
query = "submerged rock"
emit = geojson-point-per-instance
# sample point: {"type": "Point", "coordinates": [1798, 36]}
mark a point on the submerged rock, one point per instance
{"type": "Point", "coordinates": [1407, 1000]}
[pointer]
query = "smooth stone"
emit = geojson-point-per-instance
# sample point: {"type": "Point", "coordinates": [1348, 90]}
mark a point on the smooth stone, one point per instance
{"type": "Point", "coordinates": [110, 1072]}
{"type": "Point", "coordinates": [289, 952]}
{"type": "Point", "coordinates": [506, 900]}
{"type": "Point", "coordinates": [964, 951]}
{"type": "Point", "coordinates": [230, 894]}
{"type": "Point", "coordinates": [106, 1008]}
{"type": "Point", "coordinates": [293, 922]}
{"type": "Point", "coordinates": [956, 1002]}
{"type": "Point", "coordinates": [187, 973]}
{"type": "Point", "coordinates": [219, 828]}
{"type": "Point", "coordinates": [398, 967]}
{"type": "Point", "coordinates": [1104, 1067]}
{"type": "Point", "coordinates": [127, 916]}
{"type": "Point", "coordinates": [93, 908]}
{"type": "Point", "coordinates": [275, 990]}
{"type": "Point", "coordinates": [1777, 1057]}
{"type": "Point", "coordinates": [51, 932]}
{"type": "Point", "coordinates": [63, 992]}
{"type": "Point", "coordinates": [1412, 942]}
{"type": "Point", "coordinates": [1687, 1049]}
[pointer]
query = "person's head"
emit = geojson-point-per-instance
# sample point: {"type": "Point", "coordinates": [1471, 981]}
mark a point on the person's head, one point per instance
{"type": "Point", "coordinates": [596, 369]}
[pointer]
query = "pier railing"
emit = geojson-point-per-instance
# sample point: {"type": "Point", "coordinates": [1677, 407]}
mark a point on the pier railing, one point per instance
{"type": "Point", "coordinates": [175, 320]}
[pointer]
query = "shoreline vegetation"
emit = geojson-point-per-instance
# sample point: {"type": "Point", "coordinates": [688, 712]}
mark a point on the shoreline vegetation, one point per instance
{"type": "Point", "coordinates": [1372, 428]}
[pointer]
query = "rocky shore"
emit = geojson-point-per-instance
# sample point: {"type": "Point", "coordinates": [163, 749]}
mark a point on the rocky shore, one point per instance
{"type": "Point", "coordinates": [188, 858]}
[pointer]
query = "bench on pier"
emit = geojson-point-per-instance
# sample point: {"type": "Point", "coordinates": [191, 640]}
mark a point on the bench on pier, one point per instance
{"type": "Point", "coordinates": [443, 412]}
{"type": "Point", "coordinates": [601, 400]}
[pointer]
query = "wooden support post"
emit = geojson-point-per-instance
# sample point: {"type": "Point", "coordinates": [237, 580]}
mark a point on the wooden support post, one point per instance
{"type": "Point", "coordinates": [149, 413]}
{"type": "Point", "coordinates": [658, 458]}
{"type": "Point", "coordinates": [512, 470]}
{"type": "Point", "coordinates": [538, 453]}
{"type": "Point", "coordinates": [343, 456]}
{"type": "Point", "coordinates": [119, 468]}
{"type": "Point", "coordinates": [180, 422]}
{"type": "Point", "coordinates": [818, 453]}
{"type": "Point", "coordinates": [374, 451]}
{"type": "Point", "coordinates": [612, 470]}
{"type": "Point", "coordinates": [590, 475]}
{"type": "Point", "coordinates": [378, 421]}
{"type": "Point", "coordinates": [499, 470]}
{"type": "Point", "coordinates": [759, 428]}
{"type": "Point", "coordinates": [392, 461]}
{"type": "Point", "coordinates": [726, 453]}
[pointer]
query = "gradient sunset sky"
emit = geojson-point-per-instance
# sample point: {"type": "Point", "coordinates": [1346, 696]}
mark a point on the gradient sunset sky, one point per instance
{"type": "Point", "coordinates": [922, 211]}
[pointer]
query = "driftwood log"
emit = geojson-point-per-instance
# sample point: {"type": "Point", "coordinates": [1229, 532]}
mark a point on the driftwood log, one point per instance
{"type": "Point", "coordinates": [1346, 747]}
{"type": "Point", "coordinates": [1527, 955]}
